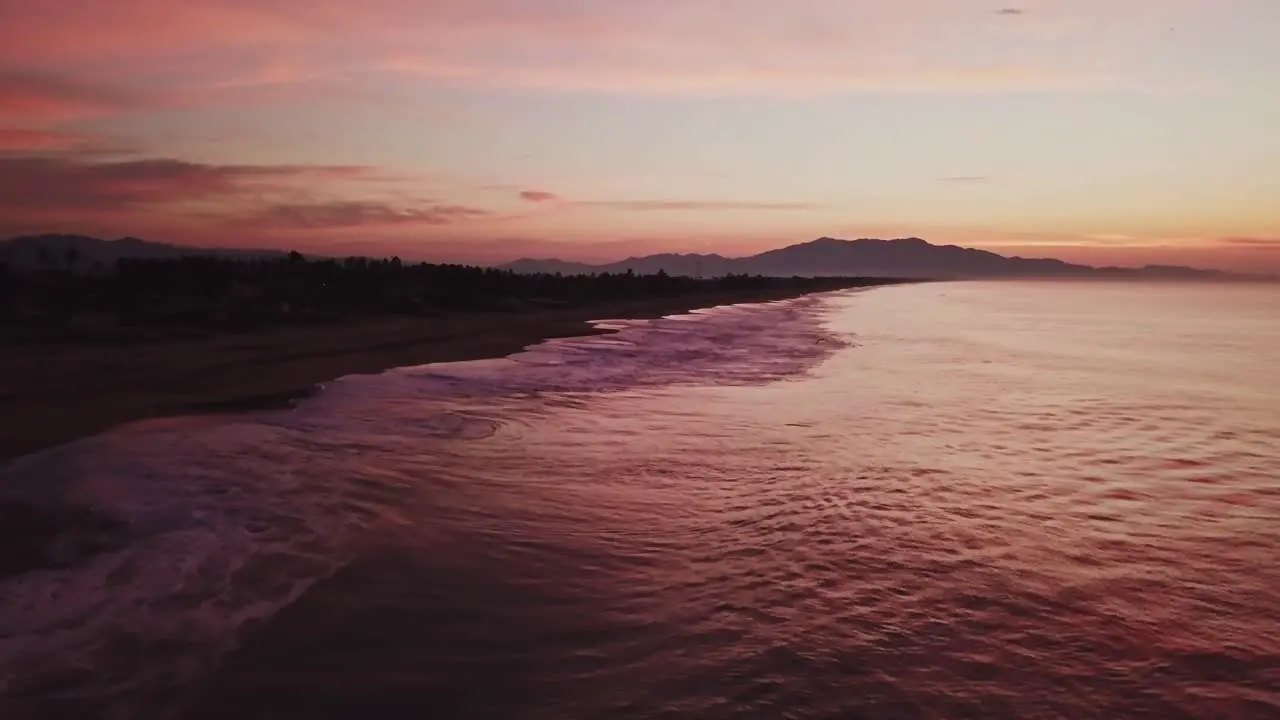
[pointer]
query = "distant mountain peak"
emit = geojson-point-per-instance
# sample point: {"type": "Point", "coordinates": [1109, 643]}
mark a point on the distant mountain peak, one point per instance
{"type": "Point", "coordinates": [38, 252]}
{"type": "Point", "coordinates": [907, 257]}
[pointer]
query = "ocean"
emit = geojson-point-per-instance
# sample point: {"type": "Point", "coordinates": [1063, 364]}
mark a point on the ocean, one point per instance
{"type": "Point", "coordinates": [941, 500]}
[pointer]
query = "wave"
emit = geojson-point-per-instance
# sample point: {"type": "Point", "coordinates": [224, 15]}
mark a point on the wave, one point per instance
{"type": "Point", "coordinates": [229, 519]}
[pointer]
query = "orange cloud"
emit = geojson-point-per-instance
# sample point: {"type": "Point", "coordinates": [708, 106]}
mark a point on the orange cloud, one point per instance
{"type": "Point", "coordinates": [543, 196]}
{"type": "Point", "coordinates": [1267, 244]}
{"type": "Point", "coordinates": [659, 205]}
{"type": "Point", "coordinates": [795, 78]}
{"type": "Point", "coordinates": [538, 196]}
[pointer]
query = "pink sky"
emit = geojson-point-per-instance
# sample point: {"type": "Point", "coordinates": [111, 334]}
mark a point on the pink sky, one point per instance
{"type": "Point", "coordinates": [1107, 132]}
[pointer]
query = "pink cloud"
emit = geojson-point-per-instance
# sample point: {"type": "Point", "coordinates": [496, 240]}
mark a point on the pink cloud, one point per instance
{"type": "Point", "coordinates": [70, 183]}
{"type": "Point", "coordinates": [31, 139]}
{"type": "Point", "coordinates": [810, 46]}
{"type": "Point", "coordinates": [38, 96]}
{"type": "Point", "coordinates": [358, 213]}
{"type": "Point", "coordinates": [79, 191]}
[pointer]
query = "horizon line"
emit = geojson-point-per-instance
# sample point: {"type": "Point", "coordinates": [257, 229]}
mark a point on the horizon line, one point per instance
{"type": "Point", "coordinates": [605, 263]}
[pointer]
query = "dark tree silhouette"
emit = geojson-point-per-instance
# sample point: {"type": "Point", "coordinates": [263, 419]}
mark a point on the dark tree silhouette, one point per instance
{"type": "Point", "coordinates": [206, 294]}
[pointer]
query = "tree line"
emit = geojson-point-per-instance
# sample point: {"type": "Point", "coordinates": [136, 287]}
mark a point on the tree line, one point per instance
{"type": "Point", "coordinates": [199, 291]}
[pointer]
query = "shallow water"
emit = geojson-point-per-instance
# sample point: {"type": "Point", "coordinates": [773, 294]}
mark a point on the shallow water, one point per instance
{"type": "Point", "coordinates": [943, 500]}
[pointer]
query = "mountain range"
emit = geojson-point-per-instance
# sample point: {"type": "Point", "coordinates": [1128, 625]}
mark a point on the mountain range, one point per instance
{"type": "Point", "coordinates": [900, 258]}
{"type": "Point", "coordinates": [83, 253]}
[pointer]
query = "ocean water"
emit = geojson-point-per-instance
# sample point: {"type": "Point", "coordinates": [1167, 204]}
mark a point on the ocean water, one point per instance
{"type": "Point", "coordinates": [1017, 499]}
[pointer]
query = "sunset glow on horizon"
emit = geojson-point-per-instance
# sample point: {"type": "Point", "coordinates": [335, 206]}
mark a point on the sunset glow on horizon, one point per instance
{"type": "Point", "coordinates": [1116, 132]}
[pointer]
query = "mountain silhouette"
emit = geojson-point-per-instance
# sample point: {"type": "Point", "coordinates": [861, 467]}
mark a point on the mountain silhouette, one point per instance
{"type": "Point", "coordinates": [900, 258]}
{"type": "Point", "coordinates": [90, 254]}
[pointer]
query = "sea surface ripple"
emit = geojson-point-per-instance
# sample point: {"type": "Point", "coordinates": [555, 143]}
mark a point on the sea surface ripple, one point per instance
{"type": "Point", "coordinates": [1022, 500]}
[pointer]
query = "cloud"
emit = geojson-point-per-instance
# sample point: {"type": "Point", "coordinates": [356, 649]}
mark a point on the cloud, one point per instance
{"type": "Point", "coordinates": [657, 46]}
{"type": "Point", "coordinates": [32, 139]}
{"type": "Point", "coordinates": [798, 76]}
{"type": "Point", "coordinates": [726, 205]}
{"type": "Point", "coordinates": [358, 213]}
{"type": "Point", "coordinates": [70, 183]}
{"type": "Point", "coordinates": [1252, 242]}
{"type": "Point", "coordinates": [36, 96]}
{"type": "Point", "coordinates": [538, 196]}
{"type": "Point", "coordinates": [81, 193]}
{"type": "Point", "coordinates": [546, 197]}
{"type": "Point", "coordinates": [965, 179]}
{"type": "Point", "coordinates": [85, 192]}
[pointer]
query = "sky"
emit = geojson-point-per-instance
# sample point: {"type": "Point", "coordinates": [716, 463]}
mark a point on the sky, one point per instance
{"type": "Point", "coordinates": [1103, 131]}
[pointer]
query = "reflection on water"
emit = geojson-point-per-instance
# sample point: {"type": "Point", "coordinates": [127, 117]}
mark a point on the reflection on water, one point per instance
{"type": "Point", "coordinates": [951, 500]}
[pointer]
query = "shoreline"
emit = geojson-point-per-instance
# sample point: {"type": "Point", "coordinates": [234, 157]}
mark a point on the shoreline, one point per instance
{"type": "Point", "coordinates": [51, 395]}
